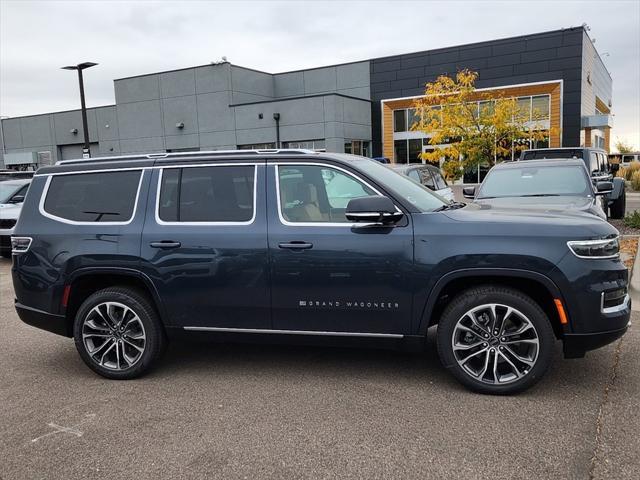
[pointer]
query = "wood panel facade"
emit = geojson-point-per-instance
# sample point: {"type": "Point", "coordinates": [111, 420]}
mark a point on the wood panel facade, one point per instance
{"type": "Point", "coordinates": [553, 89]}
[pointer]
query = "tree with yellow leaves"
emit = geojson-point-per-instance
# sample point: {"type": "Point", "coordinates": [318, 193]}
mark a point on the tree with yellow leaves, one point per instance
{"type": "Point", "coordinates": [469, 127]}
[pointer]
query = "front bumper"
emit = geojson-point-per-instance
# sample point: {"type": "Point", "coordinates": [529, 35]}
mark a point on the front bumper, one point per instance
{"type": "Point", "coordinates": [43, 320]}
{"type": "Point", "coordinates": [577, 344]}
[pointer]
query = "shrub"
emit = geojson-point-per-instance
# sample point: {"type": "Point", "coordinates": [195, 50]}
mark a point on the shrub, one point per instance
{"type": "Point", "coordinates": [635, 180]}
{"type": "Point", "coordinates": [632, 219]}
{"type": "Point", "coordinates": [631, 169]}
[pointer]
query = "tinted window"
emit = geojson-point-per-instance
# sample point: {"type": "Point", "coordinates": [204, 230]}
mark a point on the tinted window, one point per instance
{"type": "Point", "coordinates": [440, 181]}
{"type": "Point", "coordinates": [528, 181]}
{"type": "Point", "coordinates": [207, 194]}
{"type": "Point", "coordinates": [317, 194]}
{"type": "Point", "coordinates": [93, 197]}
{"type": "Point", "coordinates": [426, 179]}
{"type": "Point", "coordinates": [551, 153]}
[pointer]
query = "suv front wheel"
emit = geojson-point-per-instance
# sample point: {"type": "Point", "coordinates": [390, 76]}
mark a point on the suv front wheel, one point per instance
{"type": "Point", "coordinates": [495, 340]}
{"type": "Point", "coordinates": [118, 333]}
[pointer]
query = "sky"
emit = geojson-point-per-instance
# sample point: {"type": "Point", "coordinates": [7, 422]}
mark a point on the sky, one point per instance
{"type": "Point", "coordinates": [135, 37]}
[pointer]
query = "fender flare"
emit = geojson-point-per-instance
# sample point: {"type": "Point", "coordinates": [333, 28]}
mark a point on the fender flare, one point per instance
{"type": "Point", "coordinates": [129, 272]}
{"type": "Point", "coordinates": [443, 281]}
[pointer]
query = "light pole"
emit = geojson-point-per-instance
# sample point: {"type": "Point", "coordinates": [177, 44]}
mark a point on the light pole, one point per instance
{"type": "Point", "coordinates": [86, 152]}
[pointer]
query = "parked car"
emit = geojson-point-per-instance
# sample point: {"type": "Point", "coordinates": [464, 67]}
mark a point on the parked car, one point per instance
{"type": "Point", "coordinates": [626, 159]}
{"type": "Point", "coordinates": [12, 193]}
{"type": "Point", "coordinates": [427, 175]}
{"type": "Point", "coordinates": [597, 163]}
{"type": "Point", "coordinates": [542, 185]}
{"type": "Point", "coordinates": [382, 160]}
{"type": "Point", "coordinates": [125, 253]}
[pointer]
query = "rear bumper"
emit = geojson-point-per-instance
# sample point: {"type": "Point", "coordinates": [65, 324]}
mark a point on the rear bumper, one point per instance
{"type": "Point", "coordinates": [43, 320]}
{"type": "Point", "coordinates": [577, 344]}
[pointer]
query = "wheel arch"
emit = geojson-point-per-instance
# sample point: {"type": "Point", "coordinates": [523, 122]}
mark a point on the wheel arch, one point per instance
{"type": "Point", "coordinates": [85, 282]}
{"type": "Point", "coordinates": [536, 285]}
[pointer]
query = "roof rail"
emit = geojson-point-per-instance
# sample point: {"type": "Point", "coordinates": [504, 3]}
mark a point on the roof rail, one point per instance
{"type": "Point", "coordinates": [151, 156]}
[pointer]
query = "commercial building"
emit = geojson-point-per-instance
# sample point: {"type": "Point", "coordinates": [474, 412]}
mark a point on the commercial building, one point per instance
{"type": "Point", "coordinates": [360, 107]}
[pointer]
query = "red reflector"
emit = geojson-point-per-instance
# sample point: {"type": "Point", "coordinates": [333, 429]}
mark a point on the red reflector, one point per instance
{"type": "Point", "coordinates": [65, 295]}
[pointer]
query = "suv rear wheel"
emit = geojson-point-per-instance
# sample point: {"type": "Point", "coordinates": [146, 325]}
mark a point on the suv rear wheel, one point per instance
{"type": "Point", "coordinates": [495, 340]}
{"type": "Point", "coordinates": [118, 333]}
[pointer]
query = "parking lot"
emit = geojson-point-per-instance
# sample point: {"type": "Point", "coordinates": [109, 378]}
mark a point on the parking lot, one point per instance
{"type": "Point", "coordinates": [231, 411]}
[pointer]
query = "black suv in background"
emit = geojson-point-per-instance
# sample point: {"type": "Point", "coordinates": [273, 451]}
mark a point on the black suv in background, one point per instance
{"type": "Point", "coordinates": [123, 253]}
{"type": "Point", "coordinates": [598, 166]}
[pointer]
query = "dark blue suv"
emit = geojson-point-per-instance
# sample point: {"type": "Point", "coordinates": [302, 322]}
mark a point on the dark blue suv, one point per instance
{"type": "Point", "coordinates": [125, 253]}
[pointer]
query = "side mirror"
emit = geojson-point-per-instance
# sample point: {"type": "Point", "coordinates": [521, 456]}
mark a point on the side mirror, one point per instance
{"type": "Point", "coordinates": [374, 210]}
{"type": "Point", "coordinates": [17, 199]}
{"type": "Point", "coordinates": [469, 192]}
{"type": "Point", "coordinates": [602, 188]}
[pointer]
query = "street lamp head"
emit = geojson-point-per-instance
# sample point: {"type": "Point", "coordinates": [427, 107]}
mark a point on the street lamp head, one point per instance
{"type": "Point", "coordinates": [80, 66]}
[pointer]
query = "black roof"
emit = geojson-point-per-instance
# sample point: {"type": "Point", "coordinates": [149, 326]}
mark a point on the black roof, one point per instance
{"type": "Point", "coordinates": [551, 162]}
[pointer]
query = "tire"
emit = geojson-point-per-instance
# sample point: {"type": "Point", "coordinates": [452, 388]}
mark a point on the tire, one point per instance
{"type": "Point", "coordinates": [96, 330]}
{"type": "Point", "coordinates": [474, 372]}
{"type": "Point", "coordinates": [618, 206]}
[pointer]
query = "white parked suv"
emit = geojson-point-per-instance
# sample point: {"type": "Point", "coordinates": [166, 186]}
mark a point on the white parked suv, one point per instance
{"type": "Point", "coordinates": [12, 193]}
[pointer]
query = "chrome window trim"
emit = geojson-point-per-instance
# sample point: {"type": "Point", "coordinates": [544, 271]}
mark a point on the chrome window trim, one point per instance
{"type": "Point", "coordinates": [159, 221]}
{"type": "Point", "coordinates": [315, 224]}
{"type": "Point", "coordinates": [293, 332]}
{"type": "Point", "coordinates": [56, 218]}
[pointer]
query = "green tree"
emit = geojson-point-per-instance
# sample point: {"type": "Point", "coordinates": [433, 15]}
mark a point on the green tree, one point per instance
{"type": "Point", "coordinates": [623, 147]}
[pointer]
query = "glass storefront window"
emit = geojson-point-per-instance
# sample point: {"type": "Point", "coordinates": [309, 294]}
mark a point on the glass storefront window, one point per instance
{"type": "Point", "coordinates": [399, 120]}
{"type": "Point", "coordinates": [400, 151]}
{"type": "Point", "coordinates": [540, 107]}
{"type": "Point", "coordinates": [524, 108]}
{"type": "Point", "coordinates": [415, 149]}
{"type": "Point", "coordinates": [306, 144]}
{"type": "Point", "coordinates": [414, 118]}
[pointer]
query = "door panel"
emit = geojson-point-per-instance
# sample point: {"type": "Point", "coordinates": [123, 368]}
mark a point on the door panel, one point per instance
{"type": "Point", "coordinates": [326, 275]}
{"type": "Point", "coordinates": [209, 264]}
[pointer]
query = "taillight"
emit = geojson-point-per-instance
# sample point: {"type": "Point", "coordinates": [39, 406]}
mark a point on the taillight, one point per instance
{"type": "Point", "coordinates": [20, 244]}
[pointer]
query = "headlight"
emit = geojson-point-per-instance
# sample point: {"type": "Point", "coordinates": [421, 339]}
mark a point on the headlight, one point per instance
{"type": "Point", "coordinates": [601, 248]}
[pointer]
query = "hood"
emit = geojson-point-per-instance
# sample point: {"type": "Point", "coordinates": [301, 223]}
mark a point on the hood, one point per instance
{"type": "Point", "coordinates": [10, 211]}
{"type": "Point", "coordinates": [492, 220]}
{"type": "Point", "coordinates": [551, 205]}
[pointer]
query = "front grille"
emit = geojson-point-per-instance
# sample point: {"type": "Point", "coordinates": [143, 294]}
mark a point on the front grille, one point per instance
{"type": "Point", "coordinates": [7, 223]}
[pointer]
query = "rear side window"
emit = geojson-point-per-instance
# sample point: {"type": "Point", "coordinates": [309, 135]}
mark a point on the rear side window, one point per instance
{"type": "Point", "coordinates": [207, 194]}
{"type": "Point", "coordinates": [93, 197]}
{"type": "Point", "coordinates": [441, 183]}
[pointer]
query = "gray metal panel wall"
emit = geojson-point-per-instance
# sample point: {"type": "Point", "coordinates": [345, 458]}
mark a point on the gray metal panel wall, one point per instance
{"type": "Point", "coordinates": [532, 58]}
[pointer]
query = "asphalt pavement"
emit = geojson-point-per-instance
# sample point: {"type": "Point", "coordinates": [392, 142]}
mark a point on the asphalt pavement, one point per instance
{"type": "Point", "coordinates": [233, 411]}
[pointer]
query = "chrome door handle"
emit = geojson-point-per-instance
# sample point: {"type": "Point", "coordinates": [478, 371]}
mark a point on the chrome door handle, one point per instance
{"type": "Point", "coordinates": [296, 245]}
{"type": "Point", "coordinates": [165, 244]}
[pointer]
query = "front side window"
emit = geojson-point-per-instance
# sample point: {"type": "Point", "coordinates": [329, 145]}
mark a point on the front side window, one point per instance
{"type": "Point", "coordinates": [426, 179]}
{"type": "Point", "coordinates": [207, 194]}
{"type": "Point", "coordinates": [93, 197]}
{"type": "Point", "coordinates": [312, 193]}
{"type": "Point", "coordinates": [439, 180]}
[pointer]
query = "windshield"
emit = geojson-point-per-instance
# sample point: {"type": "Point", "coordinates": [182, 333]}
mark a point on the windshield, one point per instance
{"type": "Point", "coordinates": [536, 181]}
{"type": "Point", "coordinates": [7, 189]}
{"type": "Point", "coordinates": [419, 196]}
